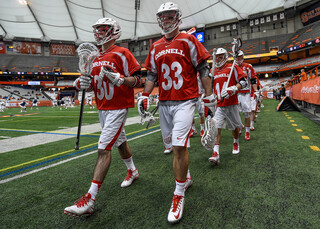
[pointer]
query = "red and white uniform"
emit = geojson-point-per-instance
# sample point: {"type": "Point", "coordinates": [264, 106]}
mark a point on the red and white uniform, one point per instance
{"type": "Point", "coordinates": [175, 62]}
{"type": "Point", "coordinates": [108, 96]}
{"type": "Point", "coordinates": [251, 74]}
{"type": "Point", "coordinates": [113, 101]}
{"type": "Point", "coordinates": [220, 81]}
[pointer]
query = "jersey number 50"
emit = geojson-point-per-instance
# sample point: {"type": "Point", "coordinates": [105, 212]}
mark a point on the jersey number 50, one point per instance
{"type": "Point", "coordinates": [176, 69]}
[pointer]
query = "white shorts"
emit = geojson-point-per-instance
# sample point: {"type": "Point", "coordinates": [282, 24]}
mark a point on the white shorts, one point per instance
{"type": "Point", "coordinates": [35, 104]}
{"type": "Point", "coordinates": [200, 106]}
{"type": "Point", "coordinates": [229, 114]}
{"type": "Point", "coordinates": [176, 123]}
{"type": "Point", "coordinates": [244, 102]}
{"type": "Point", "coordinates": [112, 124]}
{"type": "Point", "coordinates": [253, 104]}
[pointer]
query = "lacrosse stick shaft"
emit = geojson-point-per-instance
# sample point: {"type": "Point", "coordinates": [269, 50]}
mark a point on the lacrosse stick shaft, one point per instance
{"type": "Point", "coordinates": [80, 119]}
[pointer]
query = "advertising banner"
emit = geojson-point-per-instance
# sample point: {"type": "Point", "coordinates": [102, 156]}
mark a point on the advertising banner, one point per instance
{"type": "Point", "coordinates": [308, 91]}
{"type": "Point", "coordinates": [310, 14]}
{"type": "Point", "coordinates": [26, 47]}
{"type": "Point", "coordinates": [2, 48]}
{"type": "Point", "coordinates": [62, 49]}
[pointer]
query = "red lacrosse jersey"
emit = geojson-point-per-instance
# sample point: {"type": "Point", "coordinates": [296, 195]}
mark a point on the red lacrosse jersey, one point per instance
{"type": "Point", "coordinates": [220, 81]}
{"type": "Point", "coordinates": [175, 62]}
{"type": "Point", "coordinates": [251, 74]}
{"type": "Point", "coordinates": [108, 96]}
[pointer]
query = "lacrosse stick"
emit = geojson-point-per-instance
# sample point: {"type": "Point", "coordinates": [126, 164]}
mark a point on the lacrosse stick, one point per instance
{"type": "Point", "coordinates": [152, 119]}
{"type": "Point", "coordinates": [237, 43]}
{"type": "Point", "coordinates": [87, 53]}
{"type": "Point", "coordinates": [209, 137]}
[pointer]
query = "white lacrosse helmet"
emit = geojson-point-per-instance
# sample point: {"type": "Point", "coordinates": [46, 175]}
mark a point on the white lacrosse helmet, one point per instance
{"type": "Point", "coordinates": [166, 21]}
{"type": "Point", "coordinates": [221, 62]}
{"type": "Point", "coordinates": [239, 62]}
{"type": "Point", "coordinates": [112, 30]}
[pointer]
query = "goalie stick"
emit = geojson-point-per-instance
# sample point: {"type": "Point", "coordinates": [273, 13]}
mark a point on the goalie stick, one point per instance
{"type": "Point", "coordinates": [87, 53]}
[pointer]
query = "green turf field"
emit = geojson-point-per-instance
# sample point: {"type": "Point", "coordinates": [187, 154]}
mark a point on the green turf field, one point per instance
{"type": "Point", "coordinates": [273, 183]}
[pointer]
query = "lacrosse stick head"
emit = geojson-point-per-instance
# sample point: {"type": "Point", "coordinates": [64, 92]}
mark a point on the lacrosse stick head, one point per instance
{"type": "Point", "coordinates": [209, 137]}
{"type": "Point", "coordinates": [87, 52]}
{"type": "Point", "coordinates": [237, 44]}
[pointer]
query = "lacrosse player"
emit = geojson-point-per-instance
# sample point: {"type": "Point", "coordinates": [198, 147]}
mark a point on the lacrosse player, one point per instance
{"type": "Point", "coordinates": [35, 103]}
{"type": "Point", "coordinates": [2, 105]}
{"type": "Point", "coordinates": [114, 94]}
{"type": "Point", "coordinates": [256, 100]}
{"type": "Point", "coordinates": [244, 94]}
{"type": "Point", "coordinates": [173, 62]}
{"type": "Point", "coordinates": [23, 105]}
{"type": "Point", "coordinates": [227, 100]}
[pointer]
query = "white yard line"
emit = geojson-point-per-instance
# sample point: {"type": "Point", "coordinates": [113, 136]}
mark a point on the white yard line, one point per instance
{"type": "Point", "coordinates": [22, 142]}
{"type": "Point", "coordinates": [67, 160]}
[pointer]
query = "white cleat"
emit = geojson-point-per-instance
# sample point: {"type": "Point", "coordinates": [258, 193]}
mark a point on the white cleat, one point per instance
{"type": "Point", "coordinates": [167, 150]}
{"type": "Point", "coordinates": [236, 148]}
{"type": "Point", "coordinates": [176, 210]}
{"type": "Point", "coordinates": [215, 158]}
{"type": "Point", "coordinates": [83, 206]}
{"type": "Point", "coordinates": [131, 176]}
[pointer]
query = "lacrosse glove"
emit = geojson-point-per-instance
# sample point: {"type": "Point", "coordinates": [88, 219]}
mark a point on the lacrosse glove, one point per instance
{"type": "Point", "coordinates": [114, 77]}
{"type": "Point", "coordinates": [229, 91]}
{"type": "Point", "coordinates": [210, 103]}
{"type": "Point", "coordinates": [85, 82]}
{"type": "Point", "coordinates": [143, 103]}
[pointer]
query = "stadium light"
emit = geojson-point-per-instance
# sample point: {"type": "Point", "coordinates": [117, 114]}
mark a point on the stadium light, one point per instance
{"type": "Point", "coordinates": [266, 75]}
{"type": "Point", "coordinates": [23, 2]}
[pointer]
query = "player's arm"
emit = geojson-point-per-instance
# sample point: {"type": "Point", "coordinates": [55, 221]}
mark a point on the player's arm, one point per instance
{"type": "Point", "coordinates": [209, 98]}
{"type": "Point", "coordinates": [133, 80]}
{"type": "Point", "coordinates": [204, 69]}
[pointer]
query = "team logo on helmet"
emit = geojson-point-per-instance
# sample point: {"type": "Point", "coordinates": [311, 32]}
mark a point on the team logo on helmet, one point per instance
{"type": "Point", "coordinates": [220, 62]}
{"type": "Point", "coordinates": [169, 17]}
{"type": "Point", "coordinates": [106, 29]}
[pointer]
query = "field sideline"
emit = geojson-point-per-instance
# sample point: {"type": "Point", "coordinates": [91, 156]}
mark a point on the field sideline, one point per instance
{"type": "Point", "coordinates": [273, 183]}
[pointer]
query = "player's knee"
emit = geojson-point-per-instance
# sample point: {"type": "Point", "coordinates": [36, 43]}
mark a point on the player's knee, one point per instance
{"type": "Point", "coordinates": [104, 153]}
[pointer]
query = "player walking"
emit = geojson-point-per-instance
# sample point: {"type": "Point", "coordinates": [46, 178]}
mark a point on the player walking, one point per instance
{"type": "Point", "coordinates": [244, 93]}
{"type": "Point", "coordinates": [173, 62]}
{"type": "Point", "coordinates": [227, 101]}
{"type": "Point", "coordinates": [114, 94]}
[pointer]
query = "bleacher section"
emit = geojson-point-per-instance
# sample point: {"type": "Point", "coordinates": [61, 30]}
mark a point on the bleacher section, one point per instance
{"type": "Point", "coordinates": [255, 46]}
{"type": "Point", "coordinates": [30, 63]}
{"type": "Point", "coordinates": [314, 60]}
{"type": "Point", "coordinates": [304, 35]}
{"type": "Point", "coordinates": [17, 93]}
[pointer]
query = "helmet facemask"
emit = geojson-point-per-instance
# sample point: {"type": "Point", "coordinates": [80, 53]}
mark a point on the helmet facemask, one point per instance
{"type": "Point", "coordinates": [106, 29]}
{"type": "Point", "coordinates": [169, 17]}
{"type": "Point", "coordinates": [240, 58]}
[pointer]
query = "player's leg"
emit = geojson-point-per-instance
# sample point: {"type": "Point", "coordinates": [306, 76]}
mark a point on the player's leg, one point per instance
{"type": "Point", "coordinates": [132, 172]}
{"type": "Point", "coordinates": [182, 124]}
{"type": "Point", "coordinates": [220, 118]}
{"type": "Point", "coordinates": [166, 126]}
{"type": "Point", "coordinates": [234, 123]}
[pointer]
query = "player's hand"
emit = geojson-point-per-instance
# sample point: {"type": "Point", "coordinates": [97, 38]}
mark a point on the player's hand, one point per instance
{"type": "Point", "coordinates": [143, 103]}
{"type": "Point", "coordinates": [85, 82]}
{"type": "Point", "coordinates": [210, 103]}
{"type": "Point", "coordinates": [229, 91]}
{"type": "Point", "coordinates": [114, 77]}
